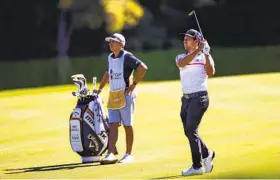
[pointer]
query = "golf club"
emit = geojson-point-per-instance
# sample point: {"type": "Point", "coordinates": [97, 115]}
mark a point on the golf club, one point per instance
{"type": "Point", "coordinates": [193, 13]}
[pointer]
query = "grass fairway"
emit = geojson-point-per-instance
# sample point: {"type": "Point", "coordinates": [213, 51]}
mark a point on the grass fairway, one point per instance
{"type": "Point", "coordinates": [242, 125]}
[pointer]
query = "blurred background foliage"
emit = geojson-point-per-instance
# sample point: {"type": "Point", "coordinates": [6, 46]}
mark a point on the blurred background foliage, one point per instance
{"type": "Point", "coordinates": [30, 28]}
{"type": "Point", "coordinates": [43, 42]}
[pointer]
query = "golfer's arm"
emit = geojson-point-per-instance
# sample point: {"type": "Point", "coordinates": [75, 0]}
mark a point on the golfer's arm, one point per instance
{"type": "Point", "coordinates": [104, 80]}
{"type": "Point", "coordinates": [182, 62]}
{"type": "Point", "coordinates": [140, 72]}
{"type": "Point", "coordinates": [209, 66]}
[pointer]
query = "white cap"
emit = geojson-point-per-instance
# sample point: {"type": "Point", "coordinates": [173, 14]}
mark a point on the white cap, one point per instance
{"type": "Point", "coordinates": [116, 37]}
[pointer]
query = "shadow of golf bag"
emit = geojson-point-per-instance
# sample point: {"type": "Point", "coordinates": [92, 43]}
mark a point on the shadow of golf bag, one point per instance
{"type": "Point", "coordinates": [89, 128]}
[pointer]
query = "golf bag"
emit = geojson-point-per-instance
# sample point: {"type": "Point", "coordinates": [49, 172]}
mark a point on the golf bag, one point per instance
{"type": "Point", "coordinates": [88, 124]}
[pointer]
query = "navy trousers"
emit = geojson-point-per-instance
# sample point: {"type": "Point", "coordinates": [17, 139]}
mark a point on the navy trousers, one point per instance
{"type": "Point", "coordinates": [193, 107]}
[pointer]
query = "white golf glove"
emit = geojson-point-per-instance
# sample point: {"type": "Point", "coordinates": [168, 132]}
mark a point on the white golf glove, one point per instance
{"type": "Point", "coordinates": [206, 49]}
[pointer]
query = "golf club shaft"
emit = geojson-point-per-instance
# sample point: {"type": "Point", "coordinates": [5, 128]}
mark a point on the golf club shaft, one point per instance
{"type": "Point", "coordinates": [197, 23]}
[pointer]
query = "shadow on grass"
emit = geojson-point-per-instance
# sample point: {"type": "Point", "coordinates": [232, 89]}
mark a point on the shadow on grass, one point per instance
{"type": "Point", "coordinates": [50, 168]}
{"type": "Point", "coordinates": [169, 177]}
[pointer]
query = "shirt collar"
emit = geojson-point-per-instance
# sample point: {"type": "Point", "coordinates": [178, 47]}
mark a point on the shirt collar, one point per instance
{"type": "Point", "coordinates": [120, 54]}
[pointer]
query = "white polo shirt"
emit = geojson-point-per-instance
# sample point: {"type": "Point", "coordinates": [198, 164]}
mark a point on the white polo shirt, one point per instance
{"type": "Point", "coordinates": [193, 76]}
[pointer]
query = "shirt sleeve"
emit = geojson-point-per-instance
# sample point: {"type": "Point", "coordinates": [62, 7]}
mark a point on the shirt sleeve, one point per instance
{"type": "Point", "coordinates": [179, 57]}
{"type": "Point", "coordinates": [132, 61]}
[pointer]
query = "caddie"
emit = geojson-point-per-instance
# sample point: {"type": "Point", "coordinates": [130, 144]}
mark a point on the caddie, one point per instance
{"type": "Point", "coordinates": [121, 102]}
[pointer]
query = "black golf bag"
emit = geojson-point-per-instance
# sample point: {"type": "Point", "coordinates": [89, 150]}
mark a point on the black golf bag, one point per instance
{"type": "Point", "coordinates": [89, 128]}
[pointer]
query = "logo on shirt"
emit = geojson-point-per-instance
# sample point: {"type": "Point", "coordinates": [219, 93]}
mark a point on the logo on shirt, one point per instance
{"type": "Point", "coordinates": [114, 75]}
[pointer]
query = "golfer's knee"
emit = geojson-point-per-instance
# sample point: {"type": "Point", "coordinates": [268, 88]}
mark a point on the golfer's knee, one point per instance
{"type": "Point", "coordinates": [187, 133]}
{"type": "Point", "coordinates": [190, 133]}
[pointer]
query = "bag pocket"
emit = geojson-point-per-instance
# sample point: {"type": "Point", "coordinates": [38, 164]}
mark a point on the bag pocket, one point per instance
{"type": "Point", "coordinates": [116, 99]}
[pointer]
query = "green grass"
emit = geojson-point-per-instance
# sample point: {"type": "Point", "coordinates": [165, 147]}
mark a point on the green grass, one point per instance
{"type": "Point", "coordinates": [242, 125]}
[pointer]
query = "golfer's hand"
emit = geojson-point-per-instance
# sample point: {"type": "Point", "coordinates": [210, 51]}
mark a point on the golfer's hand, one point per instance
{"type": "Point", "coordinates": [206, 49]}
{"type": "Point", "coordinates": [130, 89]}
{"type": "Point", "coordinates": [201, 45]}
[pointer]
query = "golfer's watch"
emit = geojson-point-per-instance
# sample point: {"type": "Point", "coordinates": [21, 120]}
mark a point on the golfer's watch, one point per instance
{"type": "Point", "coordinates": [134, 83]}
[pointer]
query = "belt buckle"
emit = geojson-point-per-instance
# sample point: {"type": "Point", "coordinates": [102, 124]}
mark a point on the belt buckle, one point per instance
{"type": "Point", "coordinates": [186, 96]}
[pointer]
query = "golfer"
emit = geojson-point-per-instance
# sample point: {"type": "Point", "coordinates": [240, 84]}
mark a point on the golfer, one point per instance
{"type": "Point", "coordinates": [195, 66]}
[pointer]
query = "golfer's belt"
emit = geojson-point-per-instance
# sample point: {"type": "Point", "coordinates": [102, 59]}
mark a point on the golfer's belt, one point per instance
{"type": "Point", "coordinates": [196, 94]}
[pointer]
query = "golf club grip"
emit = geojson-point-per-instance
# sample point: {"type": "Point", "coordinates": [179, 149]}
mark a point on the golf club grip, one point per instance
{"type": "Point", "coordinates": [94, 79]}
